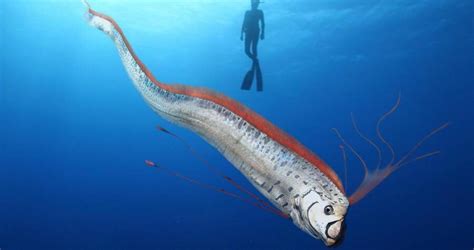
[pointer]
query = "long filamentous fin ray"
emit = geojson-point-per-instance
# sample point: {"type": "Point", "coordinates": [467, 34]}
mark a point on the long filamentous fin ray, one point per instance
{"type": "Point", "coordinates": [402, 161]}
{"type": "Point", "coordinates": [374, 178]}
{"type": "Point", "coordinates": [210, 187]}
{"type": "Point", "coordinates": [379, 133]}
{"type": "Point", "coordinates": [216, 172]}
{"type": "Point", "coordinates": [371, 142]}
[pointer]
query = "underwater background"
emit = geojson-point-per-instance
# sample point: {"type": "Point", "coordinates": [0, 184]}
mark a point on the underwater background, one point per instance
{"type": "Point", "coordinates": [74, 132]}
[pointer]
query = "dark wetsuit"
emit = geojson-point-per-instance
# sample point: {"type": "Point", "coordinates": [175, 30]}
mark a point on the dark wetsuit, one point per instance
{"type": "Point", "coordinates": [252, 31]}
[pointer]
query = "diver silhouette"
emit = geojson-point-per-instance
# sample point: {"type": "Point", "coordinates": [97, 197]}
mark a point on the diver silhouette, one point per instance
{"type": "Point", "coordinates": [251, 28]}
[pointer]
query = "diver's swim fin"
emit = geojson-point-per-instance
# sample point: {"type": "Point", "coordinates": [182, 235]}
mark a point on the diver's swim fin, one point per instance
{"type": "Point", "coordinates": [248, 79]}
{"type": "Point", "coordinates": [259, 76]}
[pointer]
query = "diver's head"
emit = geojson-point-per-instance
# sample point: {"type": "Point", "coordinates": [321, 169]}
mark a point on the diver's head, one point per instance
{"type": "Point", "coordinates": [254, 4]}
{"type": "Point", "coordinates": [320, 217]}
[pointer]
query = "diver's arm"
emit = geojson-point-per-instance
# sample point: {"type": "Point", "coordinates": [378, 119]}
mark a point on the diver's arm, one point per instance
{"type": "Point", "coordinates": [263, 26]}
{"type": "Point", "coordinates": [243, 26]}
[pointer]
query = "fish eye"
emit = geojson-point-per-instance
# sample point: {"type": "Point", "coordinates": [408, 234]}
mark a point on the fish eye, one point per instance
{"type": "Point", "coordinates": [328, 210]}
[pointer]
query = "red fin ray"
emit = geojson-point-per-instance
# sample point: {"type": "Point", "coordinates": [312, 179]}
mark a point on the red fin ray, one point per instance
{"type": "Point", "coordinates": [373, 178]}
{"type": "Point", "coordinates": [253, 199]}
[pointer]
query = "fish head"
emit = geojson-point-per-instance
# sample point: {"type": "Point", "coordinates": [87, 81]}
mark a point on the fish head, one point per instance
{"type": "Point", "coordinates": [320, 217]}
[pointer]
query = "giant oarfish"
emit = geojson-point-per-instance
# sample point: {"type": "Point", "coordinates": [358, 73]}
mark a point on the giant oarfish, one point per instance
{"type": "Point", "coordinates": [293, 178]}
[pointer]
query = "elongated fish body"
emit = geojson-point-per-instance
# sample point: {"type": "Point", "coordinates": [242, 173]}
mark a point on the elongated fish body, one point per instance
{"type": "Point", "coordinates": [278, 166]}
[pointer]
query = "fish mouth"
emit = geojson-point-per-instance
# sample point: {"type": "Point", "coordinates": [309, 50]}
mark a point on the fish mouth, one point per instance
{"type": "Point", "coordinates": [334, 231]}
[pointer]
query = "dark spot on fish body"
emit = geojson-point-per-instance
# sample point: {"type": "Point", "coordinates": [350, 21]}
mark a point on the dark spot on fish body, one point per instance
{"type": "Point", "coordinates": [304, 195]}
{"type": "Point", "coordinates": [257, 134]}
{"type": "Point", "coordinates": [279, 197]}
{"type": "Point", "coordinates": [240, 124]}
{"type": "Point", "coordinates": [266, 139]}
{"type": "Point", "coordinates": [290, 189]}
{"type": "Point", "coordinates": [251, 171]}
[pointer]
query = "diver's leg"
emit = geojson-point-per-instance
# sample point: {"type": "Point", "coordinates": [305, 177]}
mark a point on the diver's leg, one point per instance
{"type": "Point", "coordinates": [254, 46]}
{"type": "Point", "coordinates": [248, 40]}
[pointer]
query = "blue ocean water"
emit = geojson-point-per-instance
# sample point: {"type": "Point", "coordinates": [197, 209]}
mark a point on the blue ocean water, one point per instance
{"type": "Point", "coordinates": [74, 132]}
